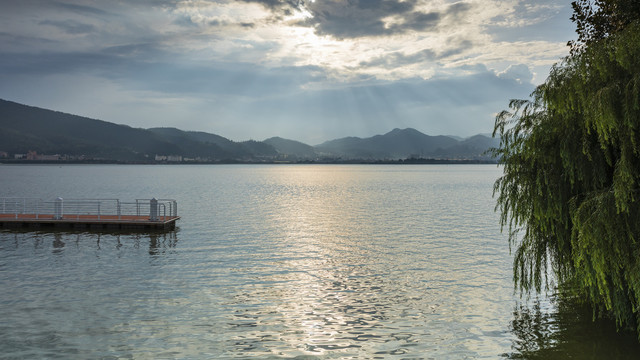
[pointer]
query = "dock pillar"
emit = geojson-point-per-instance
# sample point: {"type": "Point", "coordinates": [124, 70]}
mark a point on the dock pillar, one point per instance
{"type": "Point", "coordinates": [153, 211]}
{"type": "Point", "coordinates": [57, 209]}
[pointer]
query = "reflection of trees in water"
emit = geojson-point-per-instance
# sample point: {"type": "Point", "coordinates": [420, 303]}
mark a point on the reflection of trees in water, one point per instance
{"type": "Point", "coordinates": [567, 331]}
{"type": "Point", "coordinates": [535, 330]}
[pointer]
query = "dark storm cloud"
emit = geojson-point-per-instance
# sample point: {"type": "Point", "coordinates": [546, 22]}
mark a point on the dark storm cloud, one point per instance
{"type": "Point", "coordinates": [359, 18]}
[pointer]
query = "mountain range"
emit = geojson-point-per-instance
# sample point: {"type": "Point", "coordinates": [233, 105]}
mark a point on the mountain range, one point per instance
{"type": "Point", "coordinates": [25, 129]}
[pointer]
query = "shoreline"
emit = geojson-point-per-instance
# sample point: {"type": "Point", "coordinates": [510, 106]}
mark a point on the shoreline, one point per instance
{"type": "Point", "coordinates": [255, 162]}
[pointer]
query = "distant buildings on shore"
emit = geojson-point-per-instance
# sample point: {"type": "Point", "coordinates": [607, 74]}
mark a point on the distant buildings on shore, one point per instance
{"type": "Point", "coordinates": [34, 156]}
{"type": "Point", "coordinates": [281, 158]}
{"type": "Point", "coordinates": [169, 158]}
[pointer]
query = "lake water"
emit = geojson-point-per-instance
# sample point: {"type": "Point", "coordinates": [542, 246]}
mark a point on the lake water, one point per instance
{"type": "Point", "coordinates": [281, 261]}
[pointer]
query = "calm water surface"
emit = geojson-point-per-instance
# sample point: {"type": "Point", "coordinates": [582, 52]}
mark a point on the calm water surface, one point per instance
{"type": "Point", "coordinates": [304, 261]}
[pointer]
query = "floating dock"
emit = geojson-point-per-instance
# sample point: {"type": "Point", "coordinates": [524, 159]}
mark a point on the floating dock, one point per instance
{"type": "Point", "coordinates": [112, 214]}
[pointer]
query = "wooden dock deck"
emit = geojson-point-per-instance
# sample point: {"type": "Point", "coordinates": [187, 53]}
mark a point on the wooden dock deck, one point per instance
{"type": "Point", "coordinates": [90, 214]}
{"type": "Point", "coordinates": [88, 221]}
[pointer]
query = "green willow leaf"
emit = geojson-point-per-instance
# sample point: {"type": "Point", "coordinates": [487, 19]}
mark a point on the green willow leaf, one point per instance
{"type": "Point", "coordinates": [569, 194]}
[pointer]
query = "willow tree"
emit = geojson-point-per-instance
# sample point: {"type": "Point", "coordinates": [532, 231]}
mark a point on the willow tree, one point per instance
{"type": "Point", "coordinates": [570, 192]}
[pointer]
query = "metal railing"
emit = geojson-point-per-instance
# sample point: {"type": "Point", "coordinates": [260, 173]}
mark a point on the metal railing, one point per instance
{"type": "Point", "coordinates": [155, 209]}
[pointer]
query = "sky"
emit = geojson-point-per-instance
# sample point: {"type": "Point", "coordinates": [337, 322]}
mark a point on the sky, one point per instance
{"type": "Point", "coordinates": [299, 69]}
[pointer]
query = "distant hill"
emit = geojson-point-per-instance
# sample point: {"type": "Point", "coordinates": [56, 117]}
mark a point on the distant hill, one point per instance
{"type": "Point", "coordinates": [191, 147]}
{"type": "Point", "coordinates": [202, 144]}
{"type": "Point", "coordinates": [470, 148]}
{"type": "Point", "coordinates": [25, 128]}
{"type": "Point", "coordinates": [405, 143]}
{"type": "Point", "coordinates": [200, 137]}
{"type": "Point", "coordinates": [292, 149]}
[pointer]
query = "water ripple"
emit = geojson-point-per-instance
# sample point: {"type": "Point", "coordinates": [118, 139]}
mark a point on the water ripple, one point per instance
{"type": "Point", "coordinates": [305, 262]}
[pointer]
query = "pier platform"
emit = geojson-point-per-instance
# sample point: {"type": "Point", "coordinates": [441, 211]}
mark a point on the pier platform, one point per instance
{"type": "Point", "coordinates": [112, 214]}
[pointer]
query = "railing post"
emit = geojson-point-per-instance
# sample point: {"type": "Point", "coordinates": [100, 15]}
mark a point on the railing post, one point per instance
{"type": "Point", "coordinates": [57, 213]}
{"type": "Point", "coordinates": [153, 209]}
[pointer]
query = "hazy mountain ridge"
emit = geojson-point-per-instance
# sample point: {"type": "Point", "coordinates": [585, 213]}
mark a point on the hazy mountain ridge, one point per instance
{"type": "Point", "coordinates": [395, 144]}
{"type": "Point", "coordinates": [25, 128]}
{"type": "Point", "coordinates": [292, 149]}
{"type": "Point", "coordinates": [408, 143]}
{"type": "Point", "coordinates": [202, 144]}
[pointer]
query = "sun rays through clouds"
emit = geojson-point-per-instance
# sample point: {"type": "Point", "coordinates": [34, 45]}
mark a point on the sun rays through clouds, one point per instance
{"type": "Point", "coordinates": [235, 67]}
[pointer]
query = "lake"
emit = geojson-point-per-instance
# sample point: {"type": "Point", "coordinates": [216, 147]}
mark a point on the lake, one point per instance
{"type": "Point", "coordinates": [282, 261]}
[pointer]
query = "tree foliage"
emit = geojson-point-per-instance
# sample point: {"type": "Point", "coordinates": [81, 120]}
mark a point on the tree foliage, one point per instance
{"type": "Point", "coordinates": [570, 192]}
{"type": "Point", "coordinates": [598, 19]}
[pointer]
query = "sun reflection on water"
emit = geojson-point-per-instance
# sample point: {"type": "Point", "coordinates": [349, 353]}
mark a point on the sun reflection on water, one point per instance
{"type": "Point", "coordinates": [288, 261]}
{"type": "Point", "coordinates": [339, 286]}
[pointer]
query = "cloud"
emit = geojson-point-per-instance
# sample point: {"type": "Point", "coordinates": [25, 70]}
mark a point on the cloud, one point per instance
{"type": "Point", "coordinates": [396, 59]}
{"type": "Point", "coordinates": [70, 26]}
{"type": "Point", "coordinates": [278, 4]}
{"type": "Point", "coordinates": [463, 104]}
{"type": "Point", "coordinates": [280, 67]}
{"type": "Point", "coordinates": [384, 39]}
{"type": "Point", "coordinates": [399, 59]}
{"type": "Point", "coordinates": [363, 18]}
{"type": "Point", "coordinates": [519, 73]}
